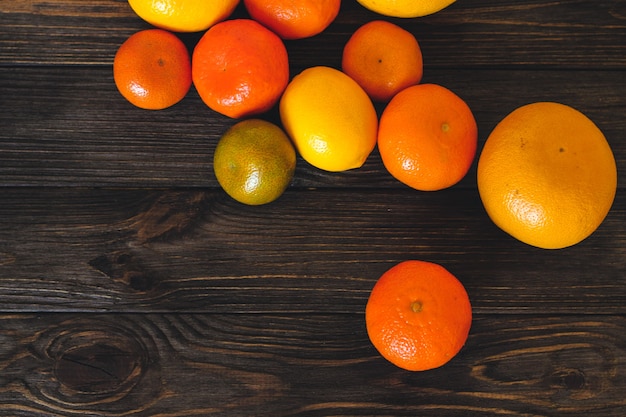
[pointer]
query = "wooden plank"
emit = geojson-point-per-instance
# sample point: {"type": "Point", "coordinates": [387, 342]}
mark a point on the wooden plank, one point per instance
{"type": "Point", "coordinates": [71, 127]}
{"type": "Point", "coordinates": [130, 284]}
{"type": "Point", "coordinates": [305, 365]}
{"type": "Point", "coordinates": [575, 34]}
{"type": "Point", "coordinates": [309, 252]}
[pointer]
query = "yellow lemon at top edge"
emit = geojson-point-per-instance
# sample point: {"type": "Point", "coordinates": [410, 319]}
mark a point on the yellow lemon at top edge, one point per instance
{"type": "Point", "coordinates": [405, 8]}
{"type": "Point", "coordinates": [330, 119]}
{"type": "Point", "coordinates": [183, 15]}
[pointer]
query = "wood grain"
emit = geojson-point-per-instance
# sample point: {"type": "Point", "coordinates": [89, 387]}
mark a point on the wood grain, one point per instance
{"type": "Point", "coordinates": [71, 127]}
{"type": "Point", "coordinates": [304, 365]}
{"type": "Point", "coordinates": [535, 33]}
{"type": "Point", "coordinates": [313, 251]}
{"type": "Point", "coordinates": [131, 285]}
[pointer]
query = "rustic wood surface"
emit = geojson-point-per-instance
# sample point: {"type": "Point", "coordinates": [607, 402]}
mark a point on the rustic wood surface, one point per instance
{"type": "Point", "coordinates": [131, 285]}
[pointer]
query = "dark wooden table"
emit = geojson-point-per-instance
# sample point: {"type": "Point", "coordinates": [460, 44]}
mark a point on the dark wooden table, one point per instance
{"type": "Point", "coordinates": [131, 285]}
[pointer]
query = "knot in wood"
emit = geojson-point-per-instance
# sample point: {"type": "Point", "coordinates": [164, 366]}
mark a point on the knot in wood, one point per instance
{"type": "Point", "coordinates": [97, 360]}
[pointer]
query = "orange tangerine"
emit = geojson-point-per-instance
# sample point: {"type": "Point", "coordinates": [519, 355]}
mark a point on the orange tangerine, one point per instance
{"type": "Point", "coordinates": [240, 68]}
{"type": "Point", "coordinates": [294, 19]}
{"type": "Point", "coordinates": [427, 137]}
{"type": "Point", "coordinates": [383, 58]}
{"type": "Point", "coordinates": [418, 315]}
{"type": "Point", "coordinates": [152, 69]}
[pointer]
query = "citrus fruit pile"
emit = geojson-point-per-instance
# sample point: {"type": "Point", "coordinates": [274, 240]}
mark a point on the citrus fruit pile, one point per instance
{"type": "Point", "coordinates": [546, 174]}
{"type": "Point", "coordinates": [240, 68]}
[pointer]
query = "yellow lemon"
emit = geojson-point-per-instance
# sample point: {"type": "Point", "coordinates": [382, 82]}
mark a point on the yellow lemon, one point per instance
{"type": "Point", "coordinates": [254, 162]}
{"type": "Point", "coordinates": [183, 15]}
{"type": "Point", "coordinates": [405, 8]}
{"type": "Point", "coordinates": [547, 176]}
{"type": "Point", "coordinates": [330, 119]}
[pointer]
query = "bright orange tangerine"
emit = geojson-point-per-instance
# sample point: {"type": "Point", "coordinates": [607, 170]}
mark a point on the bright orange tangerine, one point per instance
{"type": "Point", "coordinates": [383, 58]}
{"type": "Point", "coordinates": [294, 19]}
{"type": "Point", "coordinates": [418, 315]}
{"type": "Point", "coordinates": [240, 68]}
{"type": "Point", "coordinates": [152, 69]}
{"type": "Point", "coordinates": [427, 137]}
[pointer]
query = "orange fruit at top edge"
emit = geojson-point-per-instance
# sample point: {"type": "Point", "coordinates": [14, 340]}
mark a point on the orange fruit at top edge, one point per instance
{"type": "Point", "coordinates": [418, 315]}
{"type": "Point", "coordinates": [152, 69]}
{"type": "Point", "coordinates": [547, 175]}
{"type": "Point", "coordinates": [294, 20]}
{"type": "Point", "coordinates": [240, 68]}
{"type": "Point", "coordinates": [427, 137]}
{"type": "Point", "coordinates": [383, 58]}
